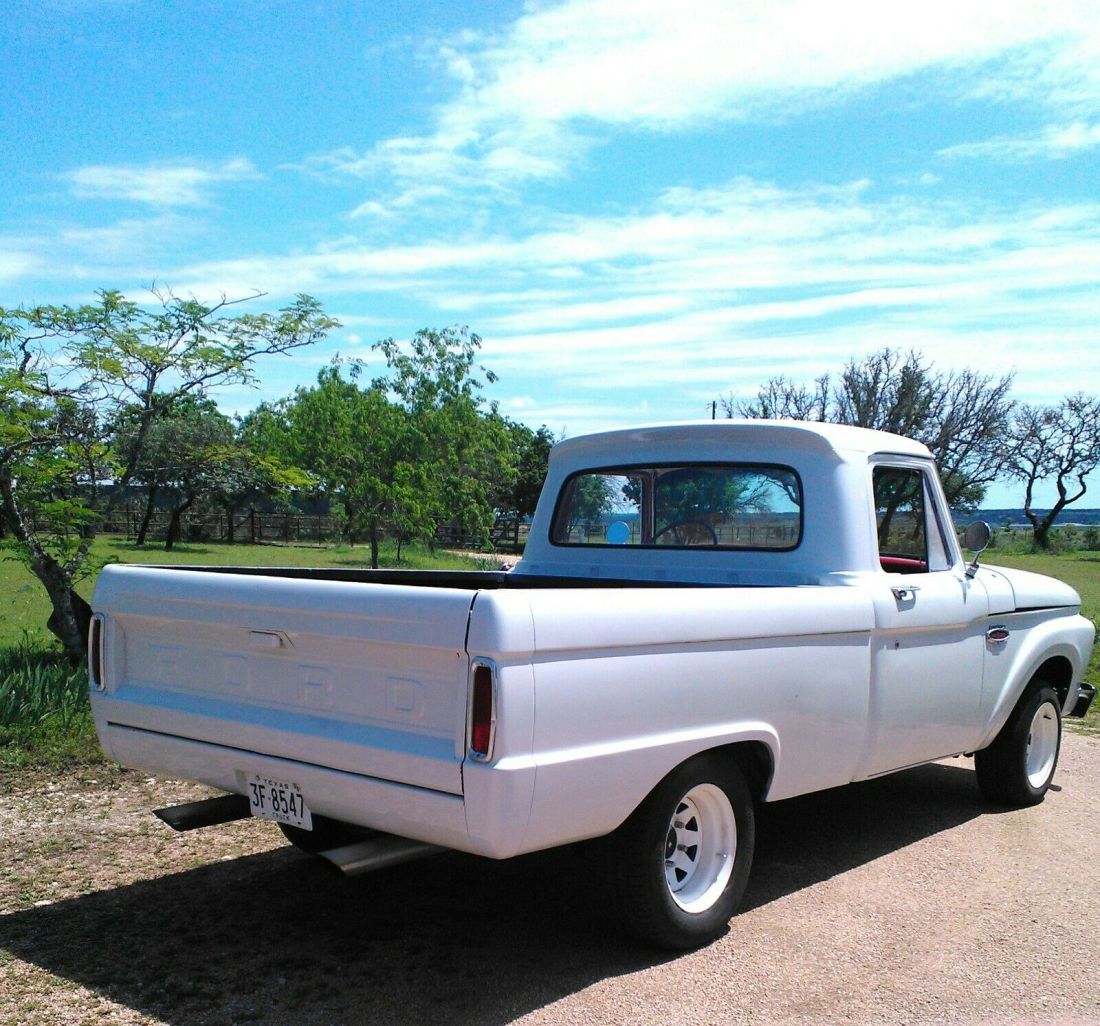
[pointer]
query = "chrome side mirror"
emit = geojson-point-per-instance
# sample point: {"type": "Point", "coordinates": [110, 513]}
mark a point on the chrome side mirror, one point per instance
{"type": "Point", "coordinates": [976, 540]}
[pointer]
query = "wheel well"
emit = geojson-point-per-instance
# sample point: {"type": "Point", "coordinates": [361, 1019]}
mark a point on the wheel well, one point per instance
{"type": "Point", "coordinates": [1058, 673]}
{"type": "Point", "coordinates": [754, 759]}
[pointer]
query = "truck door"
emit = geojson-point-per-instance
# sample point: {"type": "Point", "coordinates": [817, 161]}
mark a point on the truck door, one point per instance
{"type": "Point", "coordinates": [929, 643]}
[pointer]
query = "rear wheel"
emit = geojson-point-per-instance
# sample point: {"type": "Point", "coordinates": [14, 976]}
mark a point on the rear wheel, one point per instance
{"type": "Point", "coordinates": [680, 864]}
{"type": "Point", "coordinates": [1018, 768]}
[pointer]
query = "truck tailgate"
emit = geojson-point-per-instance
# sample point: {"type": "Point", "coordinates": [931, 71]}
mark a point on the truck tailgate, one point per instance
{"type": "Point", "coordinates": [365, 678]}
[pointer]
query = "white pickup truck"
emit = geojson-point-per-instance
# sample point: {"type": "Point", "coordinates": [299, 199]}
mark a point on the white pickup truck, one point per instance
{"type": "Point", "coordinates": [706, 616]}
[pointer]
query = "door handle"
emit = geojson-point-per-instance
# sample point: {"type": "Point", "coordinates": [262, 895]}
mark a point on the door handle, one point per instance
{"type": "Point", "coordinates": [905, 592]}
{"type": "Point", "coordinates": [265, 639]}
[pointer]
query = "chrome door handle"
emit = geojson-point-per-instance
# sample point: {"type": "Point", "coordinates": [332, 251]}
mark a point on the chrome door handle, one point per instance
{"type": "Point", "coordinates": [904, 592]}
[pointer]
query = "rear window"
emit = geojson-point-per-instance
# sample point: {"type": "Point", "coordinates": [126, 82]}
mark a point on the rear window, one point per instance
{"type": "Point", "coordinates": [712, 505]}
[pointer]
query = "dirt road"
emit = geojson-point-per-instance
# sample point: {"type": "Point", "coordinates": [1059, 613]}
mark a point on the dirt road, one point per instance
{"type": "Point", "coordinates": [906, 900]}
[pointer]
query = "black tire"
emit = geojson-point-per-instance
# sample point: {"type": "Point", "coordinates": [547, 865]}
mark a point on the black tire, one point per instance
{"type": "Point", "coordinates": [666, 890]}
{"type": "Point", "coordinates": [1018, 767]}
{"type": "Point", "coordinates": [325, 835]}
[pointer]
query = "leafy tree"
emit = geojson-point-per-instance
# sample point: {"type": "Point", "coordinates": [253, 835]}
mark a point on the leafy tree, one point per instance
{"type": "Point", "coordinates": [962, 416]}
{"type": "Point", "coordinates": [180, 451]}
{"type": "Point", "coordinates": [463, 446]}
{"type": "Point", "coordinates": [531, 449]}
{"type": "Point", "coordinates": [1055, 443]}
{"type": "Point", "coordinates": [71, 378]}
{"type": "Point", "coordinates": [434, 369]}
{"type": "Point", "coordinates": [364, 451]}
{"type": "Point", "coordinates": [592, 496]}
{"type": "Point", "coordinates": [192, 446]}
{"type": "Point", "coordinates": [256, 468]}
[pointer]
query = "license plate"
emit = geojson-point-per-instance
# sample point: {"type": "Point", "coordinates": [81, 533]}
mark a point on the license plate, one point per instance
{"type": "Point", "coordinates": [278, 800]}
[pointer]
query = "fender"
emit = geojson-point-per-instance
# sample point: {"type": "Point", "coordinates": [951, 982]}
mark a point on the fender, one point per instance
{"type": "Point", "coordinates": [1068, 637]}
{"type": "Point", "coordinates": [614, 779]}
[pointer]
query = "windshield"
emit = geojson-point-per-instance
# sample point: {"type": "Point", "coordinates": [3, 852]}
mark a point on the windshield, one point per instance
{"type": "Point", "coordinates": [717, 505]}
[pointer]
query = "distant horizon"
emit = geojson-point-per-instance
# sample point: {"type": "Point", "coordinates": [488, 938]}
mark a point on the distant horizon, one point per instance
{"type": "Point", "coordinates": [1091, 515]}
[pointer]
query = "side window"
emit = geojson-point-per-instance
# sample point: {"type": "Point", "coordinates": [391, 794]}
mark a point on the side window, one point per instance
{"type": "Point", "coordinates": [910, 538]}
{"type": "Point", "coordinates": [939, 557]}
{"type": "Point", "coordinates": [900, 515]}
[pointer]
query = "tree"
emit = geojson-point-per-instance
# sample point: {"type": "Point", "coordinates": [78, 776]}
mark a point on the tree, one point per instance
{"type": "Point", "coordinates": [255, 468]}
{"type": "Point", "coordinates": [72, 377]}
{"type": "Point", "coordinates": [464, 446]}
{"type": "Point", "coordinates": [181, 452]}
{"type": "Point", "coordinates": [1055, 443]}
{"type": "Point", "coordinates": [531, 449]}
{"type": "Point", "coordinates": [962, 416]}
{"type": "Point", "coordinates": [364, 451]}
{"type": "Point", "coordinates": [594, 495]}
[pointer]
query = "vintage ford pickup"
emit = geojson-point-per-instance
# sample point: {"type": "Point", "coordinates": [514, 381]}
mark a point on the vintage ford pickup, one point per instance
{"type": "Point", "coordinates": [706, 616]}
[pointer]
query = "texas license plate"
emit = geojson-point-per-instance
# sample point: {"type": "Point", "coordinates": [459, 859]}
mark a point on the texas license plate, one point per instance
{"type": "Point", "coordinates": [278, 800]}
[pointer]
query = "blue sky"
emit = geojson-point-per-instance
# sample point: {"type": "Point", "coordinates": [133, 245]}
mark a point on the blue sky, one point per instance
{"type": "Point", "coordinates": [640, 206]}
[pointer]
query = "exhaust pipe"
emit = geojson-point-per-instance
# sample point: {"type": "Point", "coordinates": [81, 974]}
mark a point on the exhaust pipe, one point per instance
{"type": "Point", "coordinates": [376, 852]}
{"type": "Point", "coordinates": [226, 808]}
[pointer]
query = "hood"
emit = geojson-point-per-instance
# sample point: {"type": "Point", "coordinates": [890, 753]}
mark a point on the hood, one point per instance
{"type": "Point", "coordinates": [1031, 591]}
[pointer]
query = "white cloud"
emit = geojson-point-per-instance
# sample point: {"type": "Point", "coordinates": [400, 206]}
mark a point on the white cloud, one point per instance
{"type": "Point", "coordinates": [16, 263]}
{"type": "Point", "coordinates": [647, 62]}
{"type": "Point", "coordinates": [529, 103]}
{"type": "Point", "coordinates": [169, 184]}
{"type": "Point", "coordinates": [1055, 142]}
{"type": "Point", "coordinates": [518, 404]}
{"type": "Point", "coordinates": [128, 239]}
{"type": "Point", "coordinates": [711, 248]}
{"type": "Point", "coordinates": [705, 290]}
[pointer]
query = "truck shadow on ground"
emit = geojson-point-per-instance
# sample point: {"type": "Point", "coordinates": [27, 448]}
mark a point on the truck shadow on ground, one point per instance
{"type": "Point", "coordinates": [275, 938]}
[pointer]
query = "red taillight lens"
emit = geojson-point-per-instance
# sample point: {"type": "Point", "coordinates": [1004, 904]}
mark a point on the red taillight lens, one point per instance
{"type": "Point", "coordinates": [481, 711]}
{"type": "Point", "coordinates": [95, 652]}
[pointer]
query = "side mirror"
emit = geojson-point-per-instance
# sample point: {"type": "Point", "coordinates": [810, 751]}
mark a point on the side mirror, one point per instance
{"type": "Point", "coordinates": [976, 539]}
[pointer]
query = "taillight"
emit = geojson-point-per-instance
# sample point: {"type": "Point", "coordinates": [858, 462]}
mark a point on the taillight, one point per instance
{"type": "Point", "coordinates": [482, 710]}
{"type": "Point", "coordinates": [95, 652]}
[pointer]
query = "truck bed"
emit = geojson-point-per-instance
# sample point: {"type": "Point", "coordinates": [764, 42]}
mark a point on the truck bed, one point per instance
{"type": "Point", "coordinates": [478, 580]}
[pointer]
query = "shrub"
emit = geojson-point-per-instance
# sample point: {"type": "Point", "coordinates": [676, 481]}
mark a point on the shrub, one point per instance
{"type": "Point", "coordinates": [38, 684]}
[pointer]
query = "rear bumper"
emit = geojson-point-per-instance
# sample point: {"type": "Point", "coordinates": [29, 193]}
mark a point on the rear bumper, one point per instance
{"type": "Point", "coordinates": [1085, 694]}
{"type": "Point", "coordinates": [414, 812]}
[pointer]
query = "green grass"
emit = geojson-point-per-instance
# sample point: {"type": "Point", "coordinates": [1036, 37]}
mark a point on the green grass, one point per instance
{"type": "Point", "coordinates": [34, 684]}
{"type": "Point", "coordinates": [44, 714]}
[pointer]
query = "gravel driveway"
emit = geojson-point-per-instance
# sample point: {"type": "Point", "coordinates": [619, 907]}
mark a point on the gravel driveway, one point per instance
{"type": "Point", "coordinates": [905, 900]}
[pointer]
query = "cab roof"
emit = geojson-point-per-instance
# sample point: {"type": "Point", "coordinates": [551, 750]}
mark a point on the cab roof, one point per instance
{"type": "Point", "coordinates": [841, 440]}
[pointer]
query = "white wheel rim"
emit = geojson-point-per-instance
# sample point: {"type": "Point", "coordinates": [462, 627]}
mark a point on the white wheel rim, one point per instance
{"type": "Point", "coordinates": [1042, 745]}
{"type": "Point", "coordinates": [700, 847]}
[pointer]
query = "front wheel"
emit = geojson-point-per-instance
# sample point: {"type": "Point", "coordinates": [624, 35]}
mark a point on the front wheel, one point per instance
{"type": "Point", "coordinates": [1017, 769]}
{"type": "Point", "coordinates": [680, 864]}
